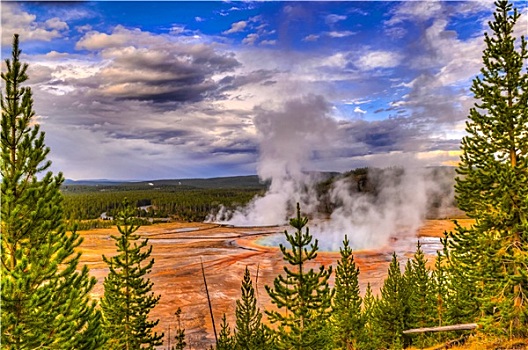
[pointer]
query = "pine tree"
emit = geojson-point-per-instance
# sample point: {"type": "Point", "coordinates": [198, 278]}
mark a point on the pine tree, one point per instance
{"type": "Point", "coordinates": [225, 339]}
{"type": "Point", "coordinates": [491, 256]}
{"type": "Point", "coordinates": [346, 315]}
{"type": "Point", "coordinates": [128, 297]}
{"type": "Point", "coordinates": [250, 333]}
{"type": "Point", "coordinates": [370, 336]}
{"type": "Point", "coordinates": [180, 333]}
{"type": "Point", "coordinates": [462, 289]}
{"type": "Point", "coordinates": [439, 288]}
{"type": "Point", "coordinates": [440, 291]}
{"type": "Point", "coordinates": [392, 309]}
{"type": "Point", "coordinates": [421, 303]}
{"type": "Point", "coordinates": [305, 295]}
{"type": "Point", "coordinates": [45, 300]}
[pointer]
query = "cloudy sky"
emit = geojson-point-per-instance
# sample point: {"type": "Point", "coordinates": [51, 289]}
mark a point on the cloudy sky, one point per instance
{"type": "Point", "coordinates": [151, 90]}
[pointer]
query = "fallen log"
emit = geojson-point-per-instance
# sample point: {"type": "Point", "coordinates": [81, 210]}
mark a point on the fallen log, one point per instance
{"type": "Point", "coordinates": [455, 327]}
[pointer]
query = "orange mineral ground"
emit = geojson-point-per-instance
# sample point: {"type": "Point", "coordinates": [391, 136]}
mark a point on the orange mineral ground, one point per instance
{"type": "Point", "coordinates": [178, 249]}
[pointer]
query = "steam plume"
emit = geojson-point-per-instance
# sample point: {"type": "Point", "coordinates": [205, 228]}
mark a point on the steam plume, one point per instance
{"type": "Point", "coordinates": [290, 139]}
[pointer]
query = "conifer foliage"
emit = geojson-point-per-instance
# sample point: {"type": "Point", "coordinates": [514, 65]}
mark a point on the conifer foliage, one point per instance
{"type": "Point", "coordinates": [491, 257]}
{"type": "Point", "coordinates": [128, 297]}
{"type": "Point", "coordinates": [249, 332]}
{"type": "Point", "coordinates": [420, 297]}
{"type": "Point", "coordinates": [225, 338]}
{"type": "Point", "coordinates": [371, 332]}
{"type": "Point", "coordinates": [392, 308]}
{"type": "Point", "coordinates": [305, 294]}
{"type": "Point", "coordinates": [346, 316]}
{"type": "Point", "coordinates": [45, 294]}
{"type": "Point", "coordinates": [180, 333]}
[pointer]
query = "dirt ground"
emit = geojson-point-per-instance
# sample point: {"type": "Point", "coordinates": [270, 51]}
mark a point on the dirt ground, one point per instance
{"type": "Point", "coordinates": [180, 248]}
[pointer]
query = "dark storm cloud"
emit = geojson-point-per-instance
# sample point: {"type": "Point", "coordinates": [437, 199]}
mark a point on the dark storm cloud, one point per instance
{"type": "Point", "coordinates": [161, 75]}
{"type": "Point", "coordinates": [262, 76]}
{"type": "Point", "coordinates": [393, 134]}
{"type": "Point", "coordinates": [236, 148]}
{"type": "Point", "coordinates": [155, 136]}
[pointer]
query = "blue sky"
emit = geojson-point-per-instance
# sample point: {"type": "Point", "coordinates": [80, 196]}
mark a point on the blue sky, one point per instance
{"type": "Point", "coordinates": [149, 90]}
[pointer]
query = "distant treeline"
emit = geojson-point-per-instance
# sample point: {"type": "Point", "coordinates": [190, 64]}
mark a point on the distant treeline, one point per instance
{"type": "Point", "coordinates": [184, 204]}
{"type": "Point", "coordinates": [182, 200]}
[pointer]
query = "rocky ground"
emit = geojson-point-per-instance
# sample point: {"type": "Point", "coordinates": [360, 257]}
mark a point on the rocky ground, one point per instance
{"type": "Point", "coordinates": [180, 248]}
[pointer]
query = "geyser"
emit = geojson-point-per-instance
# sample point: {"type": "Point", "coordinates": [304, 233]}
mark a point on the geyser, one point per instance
{"type": "Point", "coordinates": [290, 138]}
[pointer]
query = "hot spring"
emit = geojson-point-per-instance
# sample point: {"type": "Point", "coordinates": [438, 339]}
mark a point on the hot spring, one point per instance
{"type": "Point", "coordinates": [401, 242]}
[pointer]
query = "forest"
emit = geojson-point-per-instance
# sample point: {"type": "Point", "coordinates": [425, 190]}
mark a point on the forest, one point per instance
{"type": "Point", "coordinates": [93, 205]}
{"type": "Point", "coordinates": [479, 279]}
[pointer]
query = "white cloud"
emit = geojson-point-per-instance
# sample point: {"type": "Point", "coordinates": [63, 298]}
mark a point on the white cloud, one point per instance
{"type": "Point", "coordinates": [333, 18]}
{"type": "Point", "coordinates": [356, 101]}
{"type": "Point", "coordinates": [341, 34]}
{"type": "Point", "coordinates": [236, 27]}
{"type": "Point", "coordinates": [395, 32]}
{"type": "Point", "coordinates": [250, 39]}
{"type": "Point", "coordinates": [177, 30]}
{"type": "Point", "coordinates": [455, 60]}
{"type": "Point", "coordinates": [56, 23]}
{"type": "Point", "coordinates": [268, 42]}
{"type": "Point", "coordinates": [14, 20]}
{"type": "Point", "coordinates": [359, 110]}
{"type": "Point", "coordinates": [378, 59]}
{"type": "Point", "coordinates": [311, 37]}
{"type": "Point", "coordinates": [338, 60]}
{"type": "Point", "coordinates": [119, 37]}
{"type": "Point", "coordinates": [415, 11]}
{"type": "Point", "coordinates": [332, 34]}
{"type": "Point", "coordinates": [84, 28]}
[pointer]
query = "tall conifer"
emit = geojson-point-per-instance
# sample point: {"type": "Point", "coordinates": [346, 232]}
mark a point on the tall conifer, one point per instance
{"type": "Point", "coordinates": [45, 294]}
{"type": "Point", "coordinates": [225, 338]}
{"type": "Point", "coordinates": [305, 294]}
{"type": "Point", "coordinates": [250, 333]}
{"type": "Point", "coordinates": [439, 288]}
{"type": "Point", "coordinates": [180, 333]}
{"type": "Point", "coordinates": [421, 297]}
{"type": "Point", "coordinates": [346, 315]}
{"type": "Point", "coordinates": [492, 255]}
{"type": "Point", "coordinates": [128, 297]}
{"type": "Point", "coordinates": [392, 309]}
{"type": "Point", "coordinates": [371, 333]}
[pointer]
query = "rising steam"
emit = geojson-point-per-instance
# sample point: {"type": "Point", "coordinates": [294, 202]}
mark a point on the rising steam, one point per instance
{"type": "Point", "coordinates": [289, 139]}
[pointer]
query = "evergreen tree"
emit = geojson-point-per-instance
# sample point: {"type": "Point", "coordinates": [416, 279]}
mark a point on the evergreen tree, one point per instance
{"type": "Point", "coordinates": [440, 293]}
{"type": "Point", "coordinates": [491, 256]}
{"type": "Point", "coordinates": [461, 302]}
{"type": "Point", "coordinates": [305, 295]}
{"type": "Point", "coordinates": [180, 333]}
{"type": "Point", "coordinates": [439, 289]}
{"type": "Point", "coordinates": [250, 333]}
{"type": "Point", "coordinates": [346, 315]}
{"type": "Point", "coordinates": [128, 297]}
{"type": "Point", "coordinates": [421, 304]}
{"type": "Point", "coordinates": [45, 299]}
{"type": "Point", "coordinates": [225, 339]}
{"type": "Point", "coordinates": [392, 309]}
{"type": "Point", "coordinates": [370, 336]}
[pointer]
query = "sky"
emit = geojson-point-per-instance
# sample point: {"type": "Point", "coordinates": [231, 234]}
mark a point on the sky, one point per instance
{"type": "Point", "coordinates": [173, 89]}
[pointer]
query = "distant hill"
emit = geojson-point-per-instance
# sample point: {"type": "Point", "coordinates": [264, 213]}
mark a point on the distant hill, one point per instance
{"type": "Point", "coordinates": [232, 182]}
